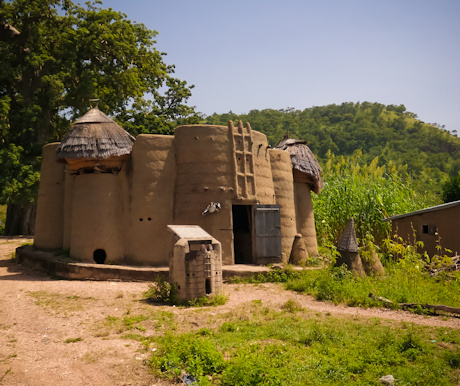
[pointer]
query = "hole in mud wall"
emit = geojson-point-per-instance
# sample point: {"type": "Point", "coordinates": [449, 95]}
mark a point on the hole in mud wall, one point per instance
{"type": "Point", "coordinates": [99, 256]}
{"type": "Point", "coordinates": [208, 286]}
{"type": "Point", "coordinates": [242, 237]}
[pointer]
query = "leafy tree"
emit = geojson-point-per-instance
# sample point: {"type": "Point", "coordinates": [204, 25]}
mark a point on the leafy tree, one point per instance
{"type": "Point", "coordinates": [54, 57]}
{"type": "Point", "coordinates": [451, 189]}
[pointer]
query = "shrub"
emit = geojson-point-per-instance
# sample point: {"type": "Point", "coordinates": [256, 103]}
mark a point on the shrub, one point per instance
{"type": "Point", "coordinates": [195, 354]}
{"type": "Point", "coordinates": [163, 291]}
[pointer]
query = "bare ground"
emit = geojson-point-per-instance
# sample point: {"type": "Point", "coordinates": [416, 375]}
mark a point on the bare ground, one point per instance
{"type": "Point", "coordinates": [61, 332]}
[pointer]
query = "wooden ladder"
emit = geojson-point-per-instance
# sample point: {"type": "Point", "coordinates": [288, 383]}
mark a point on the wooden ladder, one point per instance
{"type": "Point", "coordinates": [243, 161]}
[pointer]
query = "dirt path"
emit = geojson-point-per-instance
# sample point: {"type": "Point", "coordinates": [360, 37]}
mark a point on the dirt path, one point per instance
{"type": "Point", "coordinates": [59, 332]}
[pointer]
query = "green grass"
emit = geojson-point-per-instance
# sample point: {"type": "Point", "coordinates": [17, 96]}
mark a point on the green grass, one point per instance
{"type": "Point", "coordinates": [405, 281]}
{"type": "Point", "coordinates": [282, 348]}
{"type": "Point", "coordinates": [399, 285]}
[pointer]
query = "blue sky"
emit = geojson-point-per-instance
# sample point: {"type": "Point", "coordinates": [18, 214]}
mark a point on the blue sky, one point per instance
{"type": "Point", "coordinates": [255, 54]}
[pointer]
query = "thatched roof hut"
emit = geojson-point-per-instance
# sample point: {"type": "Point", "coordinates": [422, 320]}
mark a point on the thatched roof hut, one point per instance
{"type": "Point", "coordinates": [304, 163]}
{"type": "Point", "coordinates": [94, 136]}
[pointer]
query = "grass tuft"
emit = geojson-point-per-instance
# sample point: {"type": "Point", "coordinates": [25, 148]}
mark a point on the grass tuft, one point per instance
{"type": "Point", "coordinates": [73, 340]}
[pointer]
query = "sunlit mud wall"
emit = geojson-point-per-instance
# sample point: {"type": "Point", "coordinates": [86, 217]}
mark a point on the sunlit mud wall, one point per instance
{"type": "Point", "coordinates": [204, 160]}
{"type": "Point", "coordinates": [149, 194]}
{"type": "Point", "coordinates": [49, 217]}
{"type": "Point", "coordinates": [305, 217]}
{"type": "Point", "coordinates": [284, 192]}
{"type": "Point", "coordinates": [265, 191]}
{"type": "Point", "coordinates": [96, 218]}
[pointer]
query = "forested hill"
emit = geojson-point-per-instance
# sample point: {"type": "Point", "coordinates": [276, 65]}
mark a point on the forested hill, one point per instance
{"type": "Point", "coordinates": [389, 132]}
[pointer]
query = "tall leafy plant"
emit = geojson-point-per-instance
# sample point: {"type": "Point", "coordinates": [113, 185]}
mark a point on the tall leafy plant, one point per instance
{"type": "Point", "coordinates": [367, 192]}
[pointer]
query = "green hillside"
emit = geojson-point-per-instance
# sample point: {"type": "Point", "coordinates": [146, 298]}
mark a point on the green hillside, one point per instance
{"type": "Point", "coordinates": [389, 132]}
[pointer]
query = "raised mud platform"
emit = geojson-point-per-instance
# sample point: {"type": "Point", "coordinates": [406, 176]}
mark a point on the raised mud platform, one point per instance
{"type": "Point", "coordinates": [64, 267]}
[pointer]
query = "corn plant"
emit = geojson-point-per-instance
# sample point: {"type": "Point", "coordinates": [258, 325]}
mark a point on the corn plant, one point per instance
{"type": "Point", "coordinates": [367, 192]}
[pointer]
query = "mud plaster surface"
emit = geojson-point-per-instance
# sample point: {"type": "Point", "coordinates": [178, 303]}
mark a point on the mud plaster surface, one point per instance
{"type": "Point", "coordinates": [33, 350]}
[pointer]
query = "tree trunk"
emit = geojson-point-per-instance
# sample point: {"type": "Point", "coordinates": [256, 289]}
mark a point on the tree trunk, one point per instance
{"type": "Point", "coordinates": [20, 219]}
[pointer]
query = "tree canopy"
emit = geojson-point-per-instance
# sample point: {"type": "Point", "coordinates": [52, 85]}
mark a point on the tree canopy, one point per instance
{"type": "Point", "coordinates": [451, 189]}
{"type": "Point", "coordinates": [54, 57]}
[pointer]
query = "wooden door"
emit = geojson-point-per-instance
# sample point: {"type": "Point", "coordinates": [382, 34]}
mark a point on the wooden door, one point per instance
{"type": "Point", "coordinates": [267, 234]}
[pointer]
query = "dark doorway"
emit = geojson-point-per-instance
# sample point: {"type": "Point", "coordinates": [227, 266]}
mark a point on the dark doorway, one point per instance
{"type": "Point", "coordinates": [208, 286]}
{"type": "Point", "coordinates": [99, 256]}
{"type": "Point", "coordinates": [242, 233]}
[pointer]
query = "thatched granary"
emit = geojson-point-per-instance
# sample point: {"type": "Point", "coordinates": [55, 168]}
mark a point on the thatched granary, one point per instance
{"type": "Point", "coordinates": [306, 174]}
{"type": "Point", "coordinates": [95, 136]}
{"type": "Point", "coordinates": [305, 166]}
{"type": "Point", "coordinates": [110, 199]}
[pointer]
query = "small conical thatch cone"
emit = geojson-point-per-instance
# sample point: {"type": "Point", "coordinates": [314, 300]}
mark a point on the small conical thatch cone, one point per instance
{"type": "Point", "coordinates": [372, 264]}
{"type": "Point", "coordinates": [348, 249]}
{"type": "Point", "coordinates": [299, 251]}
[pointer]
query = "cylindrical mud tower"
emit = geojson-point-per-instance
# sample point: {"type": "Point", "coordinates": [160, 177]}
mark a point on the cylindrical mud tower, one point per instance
{"type": "Point", "coordinates": [284, 193]}
{"type": "Point", "coordinates": [205, 174]}
{"type": "Point", "coordinates": [50, 216]}
{"type": "Point", "coordinates": [149, 202]}
{"type": "Point", "coordinates": [305, 217]}
{"type": "Point", "coordinates": [95, 150]}
{"type": "Point", "coordinates": [307, 177]}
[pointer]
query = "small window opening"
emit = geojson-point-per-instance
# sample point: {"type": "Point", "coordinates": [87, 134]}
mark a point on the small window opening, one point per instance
{"type": "Point", "coordinates": [429, 229]}
{"type": "Point", "coordinates": [208, 286]}
{"type": "Point", "coordinates": [141, 219]}
{"type": "Point", "coordinates": [99, 256]}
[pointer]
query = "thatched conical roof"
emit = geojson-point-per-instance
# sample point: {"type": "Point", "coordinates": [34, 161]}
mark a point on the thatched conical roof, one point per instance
{"type": "Point", "coordinates": [303, 160]}
{"type": "Point", "coordinates": [348, 241]}
{"type": "Point", "coordinates": [95, 136]}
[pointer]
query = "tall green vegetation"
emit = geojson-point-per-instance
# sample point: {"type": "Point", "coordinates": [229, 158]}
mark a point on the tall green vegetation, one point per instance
{"type": "Point", "coordinates": [56, 55]}
{"type": "Point", "coordinates": [406, 281]}
{"type": "Point", "coordinates": [367, 192]}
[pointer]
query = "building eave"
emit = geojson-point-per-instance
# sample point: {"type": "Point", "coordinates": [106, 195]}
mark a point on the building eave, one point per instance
{"type": "Point", "coordinates": [422, 211]}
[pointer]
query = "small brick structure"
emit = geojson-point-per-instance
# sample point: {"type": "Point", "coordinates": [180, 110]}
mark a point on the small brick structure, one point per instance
{"type": "Point", "coordinates": [196, 264]}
